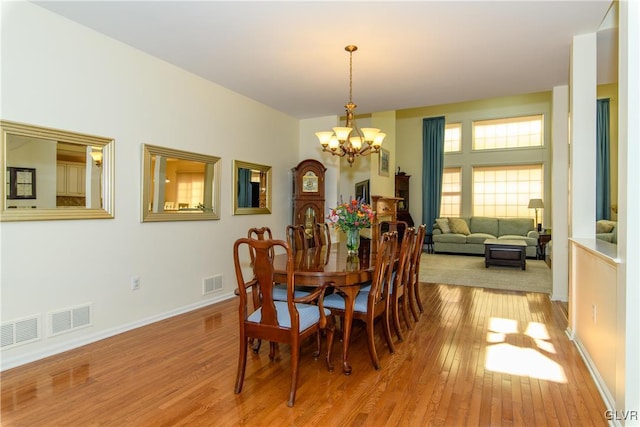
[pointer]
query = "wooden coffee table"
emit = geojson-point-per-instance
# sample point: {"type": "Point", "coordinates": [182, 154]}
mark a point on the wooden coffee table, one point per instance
{"type": "Point", "coordinates": [505, 252]}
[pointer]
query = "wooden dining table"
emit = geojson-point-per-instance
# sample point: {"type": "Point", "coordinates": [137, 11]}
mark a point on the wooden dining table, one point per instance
{"type": "Point", "coordinates": [331, 264]}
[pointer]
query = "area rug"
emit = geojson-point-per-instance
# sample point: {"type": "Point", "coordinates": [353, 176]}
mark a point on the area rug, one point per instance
{"type": "Point", "coordinates": [468, 270]}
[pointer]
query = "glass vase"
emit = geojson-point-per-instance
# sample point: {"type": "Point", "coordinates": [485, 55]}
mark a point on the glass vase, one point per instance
{"type": "Point", "coordinates": [353, 241]}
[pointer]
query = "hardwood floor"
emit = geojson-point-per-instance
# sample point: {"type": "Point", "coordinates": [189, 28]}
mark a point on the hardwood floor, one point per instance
{"type": "Point", "coordinates": [477, 357]}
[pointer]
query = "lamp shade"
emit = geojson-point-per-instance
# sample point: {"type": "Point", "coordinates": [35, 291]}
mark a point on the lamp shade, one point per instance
{"type": "Point", "coordinates": [536, 204]}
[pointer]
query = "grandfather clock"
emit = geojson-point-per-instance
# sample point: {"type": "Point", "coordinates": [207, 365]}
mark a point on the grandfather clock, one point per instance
{"type": "Point", "coordinates": [308, 194]}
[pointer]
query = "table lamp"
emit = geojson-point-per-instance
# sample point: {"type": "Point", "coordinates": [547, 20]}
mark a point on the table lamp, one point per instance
{"type": "Point", "coordinates": [536, 204]}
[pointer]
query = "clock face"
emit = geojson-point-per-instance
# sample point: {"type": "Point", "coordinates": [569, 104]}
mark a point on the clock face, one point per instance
{"type": "Point", "coordinates": [310, 183]}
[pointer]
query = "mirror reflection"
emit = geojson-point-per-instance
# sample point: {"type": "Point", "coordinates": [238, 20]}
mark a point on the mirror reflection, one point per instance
{"type": "Point", "coordinates": [252, 188]}
{"type": "Point", "coordinates": [179, 185]}
{"type": "Point", "coordinates": [607, 130]}
{"type": "Point", "coordinates": [54, 174]}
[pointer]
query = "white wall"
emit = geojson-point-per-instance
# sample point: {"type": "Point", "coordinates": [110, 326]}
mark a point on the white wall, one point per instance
{"type": "Point", "coordinates": [58, 74]}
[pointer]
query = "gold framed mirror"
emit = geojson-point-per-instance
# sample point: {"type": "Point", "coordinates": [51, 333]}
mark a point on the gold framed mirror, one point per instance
{"type": "Point", "coordinates": [55, 174]}
{"type": "Point", "coordinates": [179, 186]}
{"type": "Point", "coordinates": [251, 188]}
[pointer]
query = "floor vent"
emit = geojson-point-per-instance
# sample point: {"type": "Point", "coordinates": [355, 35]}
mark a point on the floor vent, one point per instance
{"type": "Point", "coordinates": [21, 331]}
{"type": "Point", "coordinates": [69, 319]}
{"type": "Point", "coordinates": [211, 284]}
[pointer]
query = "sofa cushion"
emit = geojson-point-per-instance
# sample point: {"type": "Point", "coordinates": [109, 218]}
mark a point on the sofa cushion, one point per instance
{"type": "Point", "coordinates": [514, 226]}
{"type": "Point", "coordinates": [443, 223]}
{"type": "Point", "coordinates": [479, 237]}
{"type": "Point", "coordinates": [459, 226]}
{"type": "Point", "coordinates": [604, 226]}
{"type": "Point", "coordinates": [482, 224]}
{"type": "Point", "coordinates": [450, 238]}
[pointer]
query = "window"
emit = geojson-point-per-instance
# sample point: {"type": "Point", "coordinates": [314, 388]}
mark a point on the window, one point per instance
{"type": "Point", "coordinates": [190, 189]}
{"type": "Point", "coordinates": [452, 137]}
{"type": "Point", "coordinates": [451, 192]}
{"type": "Point", "coordinates": [504, 191]}
{"type": "Point", "coordinates": [515, 132]}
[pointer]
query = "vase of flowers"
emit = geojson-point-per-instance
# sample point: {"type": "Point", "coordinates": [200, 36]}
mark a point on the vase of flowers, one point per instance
{"type": "Point", "coordinates": [350, 217]}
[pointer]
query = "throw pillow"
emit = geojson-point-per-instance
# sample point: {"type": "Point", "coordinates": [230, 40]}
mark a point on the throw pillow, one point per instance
{"type": "Point", "coordinates": [459, 226]}
{"type": "Point", "coordinates": [443, 223]}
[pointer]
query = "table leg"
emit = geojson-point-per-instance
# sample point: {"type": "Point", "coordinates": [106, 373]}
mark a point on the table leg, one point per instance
{"type": "Point", "coordinates": [349, 294]}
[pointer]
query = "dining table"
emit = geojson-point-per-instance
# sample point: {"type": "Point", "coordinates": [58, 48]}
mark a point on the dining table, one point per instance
{"type": "Point", "coordinates": [332, 265]}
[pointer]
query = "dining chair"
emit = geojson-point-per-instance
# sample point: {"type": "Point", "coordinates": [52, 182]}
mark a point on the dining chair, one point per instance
{"type": "Point", "coordinates": [289, 321]}
{"type": "Point", "coordinates": [414, 281]}
{"type": "Point", "coordinates": [259, 234]}
{"type": "Point", "coordinates": [322, 234]}
{"type": "Point", "coordinates": [297, 238]}
{"type": "Point", "coordinates": [400, 282]}
{"type": "Point", "coordinates": [279, 289]}
{"type": "Point", "coordinates": [369, 306]}
{"type": "Point", "coordinates": [399, 226]}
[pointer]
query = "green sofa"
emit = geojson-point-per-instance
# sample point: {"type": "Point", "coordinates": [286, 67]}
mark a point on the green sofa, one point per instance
{"type": "Point", "coordinates": [481, 229]}
{"type": "Point", "coordinates": [607, 230]}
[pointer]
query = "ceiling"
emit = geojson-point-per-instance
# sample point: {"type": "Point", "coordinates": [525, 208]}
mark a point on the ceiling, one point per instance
{"type": "Point", "coordinates": [290, 54]}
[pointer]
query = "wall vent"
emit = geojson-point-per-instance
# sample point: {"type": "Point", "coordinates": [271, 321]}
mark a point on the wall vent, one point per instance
{"type": "Point", "coordinates": [211, 284]}
{"type": "Point", "coordinates": [70, 319]}
{"type": "Point", "coordinates": [20, 332]}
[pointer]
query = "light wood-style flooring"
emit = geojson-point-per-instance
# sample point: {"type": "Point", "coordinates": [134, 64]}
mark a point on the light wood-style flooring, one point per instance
{"type": "Point", "coordinates": [477, 357]}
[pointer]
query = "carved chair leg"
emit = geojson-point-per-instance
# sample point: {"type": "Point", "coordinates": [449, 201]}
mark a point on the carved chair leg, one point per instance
{"type": "Point", "coordinates": [371, 344]}
{"type": "Point", "coordinates": [242, 362]}
{"type": "Point", "coordinates": [255, 345]}
{"type": "Point", "coordinates": [405, 311]}
{"type": "Point", "coordinates": [412, 303]}
{"type": "Point", "coordinates": [330, 329]}
{"type": "Point", "coordinates": [318, 344]}
{"type": "Point", "coordinates": [295, 355]}
{"type": "Point", "coordinates": [396, 320]}
{"type": "Point", "coordinates": [416, 289]}
{"type": "Point", "coordinates": [387, 331]}
{"type": "Point", "coordinates": [273, 348]}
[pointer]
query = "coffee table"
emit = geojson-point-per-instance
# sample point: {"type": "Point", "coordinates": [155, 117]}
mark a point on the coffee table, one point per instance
{"type": "Point", "coordinates": [505, 252]}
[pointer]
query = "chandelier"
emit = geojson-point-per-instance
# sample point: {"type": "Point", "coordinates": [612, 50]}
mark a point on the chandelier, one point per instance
{"type": "Point", "coordinates": [349, 140]}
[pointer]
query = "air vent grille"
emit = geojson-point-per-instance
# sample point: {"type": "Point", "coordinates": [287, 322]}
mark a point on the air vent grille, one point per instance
{"type": "Point", "coordinates": [69, 319]}
{"type": "Point", "coordinates": [21, 331]}
{"type": "Point", "coordinates": [211, 284]}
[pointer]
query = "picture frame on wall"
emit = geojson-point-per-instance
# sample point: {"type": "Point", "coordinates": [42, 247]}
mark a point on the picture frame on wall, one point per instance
{"type": "Point", "coordinates": [383, 165]}
{"type": "Point", "coordinates": [362, 191]}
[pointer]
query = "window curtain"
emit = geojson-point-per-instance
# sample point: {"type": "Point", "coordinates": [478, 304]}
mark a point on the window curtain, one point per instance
{"type": "Point", "coordinates": [603, 184]}
{"type": "Point", "coordinates": [432, 169]}
{"type": "Point", "coordinates": [244, 188]}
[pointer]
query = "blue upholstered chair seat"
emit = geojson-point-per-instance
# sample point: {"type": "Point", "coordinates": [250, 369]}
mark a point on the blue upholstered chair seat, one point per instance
{"type": "Point", "coordinates": [309, 315]}
{"type": "Point", "coordinates": [365, 287]}
{"type": "Point", "coordinates": [337, 301]}
{"type": "Point", "coordinates": [280, 292]}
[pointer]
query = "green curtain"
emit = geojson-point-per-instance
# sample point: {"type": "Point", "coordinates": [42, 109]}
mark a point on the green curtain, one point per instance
{"type": "Point", "coordinates": [432, 169]}
{"type": "Point", "coordinates": [603, 172]}
{"type": "Point", "coordinates": [244, 188]}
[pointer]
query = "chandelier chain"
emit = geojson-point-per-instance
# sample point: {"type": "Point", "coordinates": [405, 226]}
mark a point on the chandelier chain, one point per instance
{"type": "Point", "coordinates": [351, 77]}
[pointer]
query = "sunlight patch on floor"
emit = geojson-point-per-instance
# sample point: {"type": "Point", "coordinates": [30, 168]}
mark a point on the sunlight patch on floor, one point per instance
{"type": "Point", "coordinates": [524, 361]}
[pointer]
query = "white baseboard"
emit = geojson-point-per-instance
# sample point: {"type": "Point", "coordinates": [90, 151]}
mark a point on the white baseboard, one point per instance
{"type": "Point", "coordinates": [609, 401]}
{"type": "Point", "coordinates": [23, 359]}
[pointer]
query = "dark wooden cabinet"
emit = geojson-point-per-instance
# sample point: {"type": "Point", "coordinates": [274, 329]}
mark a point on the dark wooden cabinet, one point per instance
{"type": "Point", "coordinates": [385, 209]}
{"type": "Point", "coordinates": [308, 194]}
{"type": "Point", "coordinates": [402, 191]}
